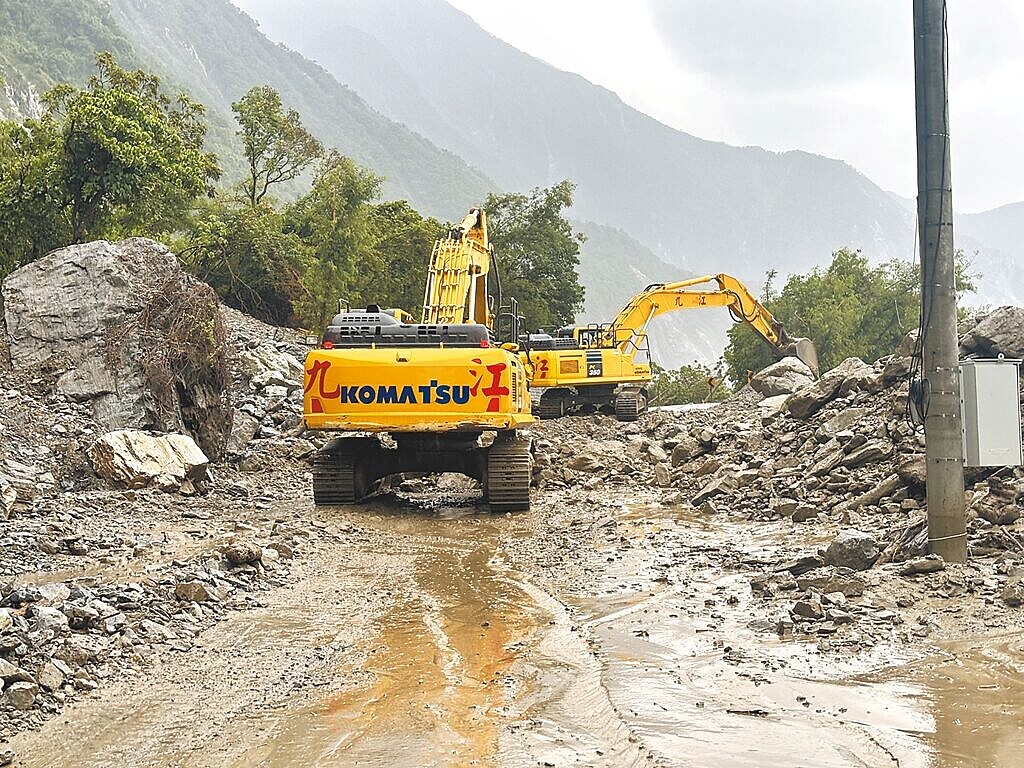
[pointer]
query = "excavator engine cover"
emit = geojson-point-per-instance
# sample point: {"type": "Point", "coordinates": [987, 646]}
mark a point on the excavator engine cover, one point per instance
{"type": "Point", "coordinates": [360, 329]}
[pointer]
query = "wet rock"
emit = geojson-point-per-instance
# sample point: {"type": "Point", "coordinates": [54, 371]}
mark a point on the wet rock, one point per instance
{"type": "Point", "coordinates": [912, 470]}
{"type": "Point", "coordinates": [801, 565]}
{"type": "Point", "coordinates": [809, 609]}
{"type": "Point", "coordinates": [808, 400]}
{"type": "Point", "coordinates": [242, 552]}
{"type": "Point", "coordinates": [50, 677]}
{"type": "Point", "coordinates": [1000, 332]}
{"type": "Point", "coordinates": [717, 487]}
{"type": "Point", "coordinates": [8, 671]}
{"type": "Point", "coordinates": [21, 695]}
{"type": "Point", "coordinates": [140, 459]}
{"type": "Point", "coordinates": [782, 378]}
{"type": "Point", "coordinates": [47, 619]}
{"type": "Point", "coordinates": [8, 497]}
{"type": "Point", "coordinates": [80, 649]}
{"type": "Point", "coordinates": [1013, 594]}
{"type": "Point", "coordinates": [266, 366]}
{"type": "Point", "coordinates": [870, 453]}
{"type": "Point", "coordinates": [804, 512]}
{"type": "Point", "coordinates": [686, 450]}
{"type": "Point", "coordinates": [662, 475]}
{"type": "Point", "coordinates": [852, 549]}
{"type": "Point", "coordinates": [998, 504]}
{"type": "Point", "coordinates": [926, 564]}
{"type": "Point", "coordinates": [243, 429]}
{"type": "Point", "coordinates": [192, 591]}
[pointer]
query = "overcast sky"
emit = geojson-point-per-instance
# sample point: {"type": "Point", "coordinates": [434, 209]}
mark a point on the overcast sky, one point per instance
{"type": "Point", "coordinates": [829, 76]}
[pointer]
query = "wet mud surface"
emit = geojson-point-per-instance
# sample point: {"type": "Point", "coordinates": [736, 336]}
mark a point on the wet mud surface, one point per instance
{"type": "Point", "coordinates": [422, 632]}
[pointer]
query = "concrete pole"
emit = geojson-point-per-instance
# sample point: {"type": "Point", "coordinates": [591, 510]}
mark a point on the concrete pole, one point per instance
{"type": "Point", "coordinates": [944, 450]}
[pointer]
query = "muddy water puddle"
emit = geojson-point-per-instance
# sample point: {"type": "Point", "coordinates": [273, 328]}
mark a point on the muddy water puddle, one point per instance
{"type": "Point", "coordinates": [700, 683]}
{"type": "Point", "coordinates": [434, 686]}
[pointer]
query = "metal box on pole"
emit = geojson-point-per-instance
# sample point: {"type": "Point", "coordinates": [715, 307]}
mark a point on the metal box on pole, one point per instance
{"type": "Point", "coordinates": [990, 405]}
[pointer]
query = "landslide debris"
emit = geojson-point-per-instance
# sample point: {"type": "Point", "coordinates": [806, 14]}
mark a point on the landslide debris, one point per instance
{"type": "Point", "coordinates": [121, 327]}
{"type": "Point", "coordinates": [129, 522]}
{"type": "Point", "coordinates": [820, 497]}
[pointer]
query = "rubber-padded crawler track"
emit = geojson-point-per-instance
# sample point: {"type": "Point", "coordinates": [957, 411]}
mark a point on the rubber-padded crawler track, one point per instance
{"type": "Point", "coordinates": [508, 475]}
{"type": "Point", "coordinates": [334, 480]}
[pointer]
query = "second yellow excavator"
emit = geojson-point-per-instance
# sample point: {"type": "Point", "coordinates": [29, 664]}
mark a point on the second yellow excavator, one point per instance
{"type": "Point", "coordinates": [605, 366]}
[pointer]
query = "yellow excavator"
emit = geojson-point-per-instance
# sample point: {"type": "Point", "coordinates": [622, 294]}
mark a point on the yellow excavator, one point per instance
{"type": "Point", "coordinates": [438, 390]}
{"type": "Point", "coordinates": [606, 366]}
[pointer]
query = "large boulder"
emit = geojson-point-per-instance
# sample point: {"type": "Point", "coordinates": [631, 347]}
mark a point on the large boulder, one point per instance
{"type": "Point", "coordinates": [852, 549]}
{"type": "Point", "coordinates": [1000, 332]}
{"type": "Point", "coordinates": [126, 330]}
{"type": "Point", "coordinates": [139, 459]}
{"type": "Point", "coordinates": [808, 400]}
{"type": "Point", "coordinates": [782, 378]}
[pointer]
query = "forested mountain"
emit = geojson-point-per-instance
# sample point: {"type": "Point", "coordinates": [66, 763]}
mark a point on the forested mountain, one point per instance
{"type": "Point", "coordinates": [699, 204]}
{"type": "Point", "coordinates": [214, 52]}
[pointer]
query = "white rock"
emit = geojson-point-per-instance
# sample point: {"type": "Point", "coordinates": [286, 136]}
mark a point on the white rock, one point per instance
{"type": "Point", "coordinates": [140, 459]}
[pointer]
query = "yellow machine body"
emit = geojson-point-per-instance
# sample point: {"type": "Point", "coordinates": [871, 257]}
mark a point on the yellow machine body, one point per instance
{"type": "Point", "coordinates": [415, 390]}
{"type": "Point", "coordinates": [606, 366]}
{"type": "Point", "coordinates": [448, 395]}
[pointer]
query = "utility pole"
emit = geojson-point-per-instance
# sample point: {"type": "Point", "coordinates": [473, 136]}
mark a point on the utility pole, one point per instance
{"type": "Point", "coordinates": [947, 533]}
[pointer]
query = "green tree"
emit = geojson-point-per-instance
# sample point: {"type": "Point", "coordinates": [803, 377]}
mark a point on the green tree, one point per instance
{"type": "Point", "coordinates": [247, 257]}
{"type": "Point", "coordinates": [332, 220]}
{"type": "Point", "coordinates": [118, 157]}
{"type": "Point", "coordinates": [537, 253]}
{"type": "Point", "coordinates": [277, 147]}
{"type": "Point", "coordinates": [848, 309]}
{"type": "Point", "coordinates": [688, 384]}
{"type": "Point", "coordinates": [401, 243]}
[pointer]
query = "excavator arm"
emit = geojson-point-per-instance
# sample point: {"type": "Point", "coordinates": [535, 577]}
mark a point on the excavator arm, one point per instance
{"type": "Point", "coordinates": [629, 327]}
{"type": "Point", "coordinates": [456, 289]}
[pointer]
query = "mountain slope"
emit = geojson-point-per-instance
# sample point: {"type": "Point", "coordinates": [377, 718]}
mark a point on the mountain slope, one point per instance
{"type": "Point", "coordinates": [214, 52]}
{"type": "Point", "coordinates": [614, 267]}
{"type": "Point", "coordinates": [699, 204]}
{"type": "Point", "coordinates": [994, 243]}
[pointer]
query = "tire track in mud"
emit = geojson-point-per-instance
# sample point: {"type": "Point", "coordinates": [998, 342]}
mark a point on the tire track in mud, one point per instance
{"type": "Point", "coordinates": [410, 642]}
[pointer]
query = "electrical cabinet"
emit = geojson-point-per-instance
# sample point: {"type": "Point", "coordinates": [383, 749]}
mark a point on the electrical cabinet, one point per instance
{"type": "Point", "coordinates": [990, 410]}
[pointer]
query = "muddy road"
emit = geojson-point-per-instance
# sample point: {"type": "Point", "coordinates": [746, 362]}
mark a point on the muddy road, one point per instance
{"type": "Point", "coordinates": [420, 631]}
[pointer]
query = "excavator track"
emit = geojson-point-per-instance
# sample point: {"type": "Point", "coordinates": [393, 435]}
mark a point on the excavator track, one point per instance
{"type": "Point", "coordinates": [508, 475]}
{"type": "Point", "coordinates": [334, 476]}
{"type": "Point", "coordinates": [552, 405]}
{"type": "Point", "coordinates": [629, 405]}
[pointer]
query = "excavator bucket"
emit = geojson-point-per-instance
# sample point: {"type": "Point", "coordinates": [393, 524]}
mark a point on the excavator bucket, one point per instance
{"type": "Point", "coordinates": [804, 350]}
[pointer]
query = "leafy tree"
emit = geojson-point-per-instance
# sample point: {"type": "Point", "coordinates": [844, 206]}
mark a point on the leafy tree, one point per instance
{"type": "Point", "coordinates": [332, 220]}
{"type": "Point", "coordinates": [688, 384]}
{"type": "Point", "coordinates": [118, 157]}
{"type": "Point", "coordinates": [248, 258]}
{"type": "Point", "coordinates": [277, 147]}
{"type": "Point", "coordinates": [849, 309]}
{"type": "Point", "coordinates": [401, 243]}
{"type": "Point", "coordinates": [537, 253]}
